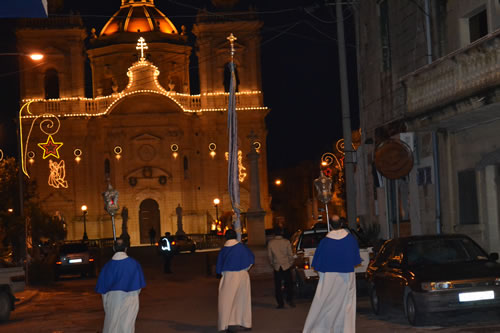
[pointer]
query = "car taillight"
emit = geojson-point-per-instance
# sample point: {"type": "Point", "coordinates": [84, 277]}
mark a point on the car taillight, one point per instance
{"type": "Point", "coordinates": [91, 259]}
{"type": "Point", "coordinates": [58, 263]}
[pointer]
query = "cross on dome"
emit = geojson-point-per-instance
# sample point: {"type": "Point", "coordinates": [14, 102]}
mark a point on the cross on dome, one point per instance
{"type": "Point", "coordinates": [141, 45]}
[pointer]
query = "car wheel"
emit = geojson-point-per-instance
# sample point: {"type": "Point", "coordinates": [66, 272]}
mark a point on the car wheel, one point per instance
{"type": "Point", "coordinates": [411, 310]}
{"type": "Point", "coordinates": [375, 301]}
{"type": "Point", "coordinates": [5, 306]}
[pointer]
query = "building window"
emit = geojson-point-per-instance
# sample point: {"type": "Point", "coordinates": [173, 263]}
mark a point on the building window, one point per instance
{"type": "Point", "coordinates": [478, 25]}
{"type": "Point", "coordinates": [467, 197]}
{"type": "Point", "coordinates": [107, 168]}
{"type": "Point", "coordinates": [186, 167]}
{"type": "Point", "coordinates": [424, 176]}
{"type": "Point", "coordinates": [385, 34]}
{"type": "Point", "coordinates": [51, 84]}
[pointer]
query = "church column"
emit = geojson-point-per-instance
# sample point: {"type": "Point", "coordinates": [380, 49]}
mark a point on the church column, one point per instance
{"type": "Point", "coordinates": [255, 214]}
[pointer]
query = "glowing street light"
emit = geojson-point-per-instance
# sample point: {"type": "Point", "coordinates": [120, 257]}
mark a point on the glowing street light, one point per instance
{"type": "Point", "coordinates": [36, 56]}
{"type": "Point", "coordinates": [278, 182]}
{"type": "Point", "coordinates": [33, 56]}
{"type": "Point", "coordinates": [84, 211]}
{"type": "Point", "coordinates": [216, 204]}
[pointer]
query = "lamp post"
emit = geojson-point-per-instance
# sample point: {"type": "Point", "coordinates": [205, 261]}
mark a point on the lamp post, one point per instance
{"type": "Point", "coordinates": [33, 56]}
{"type": "Point", "coordinates": [216, 204]}
{"type": "Point", "coordinates": [25, 219]}
{"type": "Point", "coordinates": [84, 211]}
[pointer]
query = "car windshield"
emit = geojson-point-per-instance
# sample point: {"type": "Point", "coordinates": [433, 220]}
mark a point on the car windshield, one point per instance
{"type": "Point", "coordinates": [441, 251]}
{"type": "Point", "coordinates": [311, 240]}
{"type": "Point", "coordinates": [73, 248]}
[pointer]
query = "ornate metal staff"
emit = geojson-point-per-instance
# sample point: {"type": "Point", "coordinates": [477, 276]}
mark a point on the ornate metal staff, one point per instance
{"type": "Point", "coordinates": [323, 185]}
{"type": "Point", "coordinates": [111, 204]}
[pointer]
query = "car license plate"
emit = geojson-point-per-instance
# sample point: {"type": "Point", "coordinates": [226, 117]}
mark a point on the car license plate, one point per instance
{"type": "Point", "coordinates": [476, 296]}
{"type": "Point", "coordinates": [310, 273]}
{"type": "Point", "coordinates": [74, 261]}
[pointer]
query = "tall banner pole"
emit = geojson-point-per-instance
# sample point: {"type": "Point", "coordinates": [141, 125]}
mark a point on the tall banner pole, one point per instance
{"type": "Point", "coordinates": [232, 125]}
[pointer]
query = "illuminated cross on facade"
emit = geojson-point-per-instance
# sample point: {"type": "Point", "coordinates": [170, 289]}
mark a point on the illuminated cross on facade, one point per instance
{"type": "Point", "coordinates": [141, 45]}
{"type": "Point", "coordinates": [231, 40]}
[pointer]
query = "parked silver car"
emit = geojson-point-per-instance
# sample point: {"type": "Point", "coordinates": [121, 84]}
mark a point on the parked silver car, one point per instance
{"type": "Point", "coordinates": [74, 258]}
{"type": "Point", "coordinates": [304, 244]}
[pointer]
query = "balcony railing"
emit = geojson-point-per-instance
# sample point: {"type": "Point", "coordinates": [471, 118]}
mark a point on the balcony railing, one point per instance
{"type": "Point", "coordinates": [457, 75]}
{"type": "Point", "coordinates": [76, 107]}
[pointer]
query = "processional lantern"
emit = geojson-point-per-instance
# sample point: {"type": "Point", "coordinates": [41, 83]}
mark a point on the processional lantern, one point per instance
{"type": "Point", "coordinates": [323, 187]}
{"type": "Point", "coordinates": [110, 197]}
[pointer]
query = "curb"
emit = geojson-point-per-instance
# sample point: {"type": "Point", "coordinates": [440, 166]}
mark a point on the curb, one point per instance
{"type": "Point", "coordinates": [25, 296]}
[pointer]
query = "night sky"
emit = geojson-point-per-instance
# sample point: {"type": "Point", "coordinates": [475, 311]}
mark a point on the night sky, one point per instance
{"type": "Point", "coordinates": [299, 71]}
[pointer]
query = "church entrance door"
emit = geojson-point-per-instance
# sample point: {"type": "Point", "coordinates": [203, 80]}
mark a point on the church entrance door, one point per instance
{"type": "Point", "coordinates": [149, 217]}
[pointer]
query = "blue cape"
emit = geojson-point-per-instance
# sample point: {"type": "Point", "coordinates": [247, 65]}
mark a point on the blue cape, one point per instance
{"type": "Point", "coordinates": [125, 275]}
{"type": "Point", "coordinates": [234, 258]}
{"type": "Point", "coordinates": [337, 255]}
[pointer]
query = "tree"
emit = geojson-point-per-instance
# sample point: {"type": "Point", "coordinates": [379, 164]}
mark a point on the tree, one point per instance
{"type": "Point", "coordinates": [41, 226]}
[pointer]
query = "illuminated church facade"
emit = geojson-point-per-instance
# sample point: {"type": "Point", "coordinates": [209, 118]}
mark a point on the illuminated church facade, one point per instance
{"type": "Point", "coordinates": [160, 146]}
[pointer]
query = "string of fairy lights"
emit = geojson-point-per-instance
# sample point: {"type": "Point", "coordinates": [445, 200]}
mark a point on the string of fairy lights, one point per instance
{"type": "Point", "coordinates": [50, 124]}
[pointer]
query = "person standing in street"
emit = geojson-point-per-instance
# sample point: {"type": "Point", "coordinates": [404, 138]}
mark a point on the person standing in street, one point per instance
{"type": "Point", "coordinates": [235, 303]}
{"type": "Point", "coordinates": [334, 305]}
{"type": "Point", "coordinates": [120, 283]}
{"type": "Point", "coordinates": [152, 235]}
{"type": "Point", "coordinates": [167, 251]}
{"type": "Point", "coordinates": [279, 251]}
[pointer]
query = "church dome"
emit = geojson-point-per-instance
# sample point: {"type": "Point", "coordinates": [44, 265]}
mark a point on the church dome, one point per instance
{"type": "Point", "coordinates": [138, 16]}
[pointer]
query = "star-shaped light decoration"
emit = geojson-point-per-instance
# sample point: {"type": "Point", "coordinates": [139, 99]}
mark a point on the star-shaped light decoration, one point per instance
{"type": "Point", "coordinates": [50, 147]}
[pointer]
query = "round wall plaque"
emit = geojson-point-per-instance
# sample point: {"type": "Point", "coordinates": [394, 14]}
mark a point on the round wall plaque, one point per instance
{"type": "Point", "coordinates": [147, 153]}
{"type": "Point", "coordinates": [393, 159]}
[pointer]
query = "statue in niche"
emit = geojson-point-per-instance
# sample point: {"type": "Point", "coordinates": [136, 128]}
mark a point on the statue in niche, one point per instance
{"type": "Point", "coordinates": [178, 211]}
{"type": "Point", "coordinates": [125, 236]}
{"type": "Point", "coordinates": [114, 85]}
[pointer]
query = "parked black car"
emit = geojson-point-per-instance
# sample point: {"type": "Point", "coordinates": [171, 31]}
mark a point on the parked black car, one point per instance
{"type": "Point", "coordinates": [183, 243]}
{"type": "Point", "coordinates": [74, 258]}
{"type": "Point", "coordinates": [427, 274]}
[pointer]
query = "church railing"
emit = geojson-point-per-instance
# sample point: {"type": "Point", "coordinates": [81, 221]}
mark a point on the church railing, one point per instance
{"type": "Point", "coordinates": [207, 241]}
{"type": "Point", "coordinates": [208, 102]}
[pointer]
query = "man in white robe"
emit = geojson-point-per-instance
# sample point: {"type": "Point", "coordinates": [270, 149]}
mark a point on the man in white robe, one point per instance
{"type": "Point", "coordinates": [120, 283]}
{"type": "Point", "coordinates": [235, 302]}
{"type": "Point", "coordinates": [334, 305]}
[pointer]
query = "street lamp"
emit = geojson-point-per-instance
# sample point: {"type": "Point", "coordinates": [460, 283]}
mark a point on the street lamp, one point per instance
{"type": "Point", "coordinates": [216, 203]}
{"type": "Point", "coordinates": [33, 56]}
{"type": "Point", "coordinates": [84, 211]}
